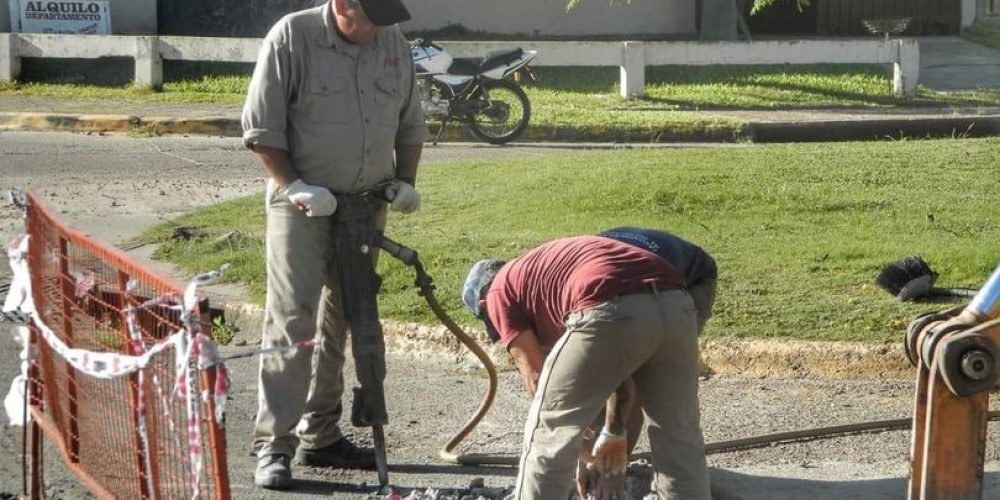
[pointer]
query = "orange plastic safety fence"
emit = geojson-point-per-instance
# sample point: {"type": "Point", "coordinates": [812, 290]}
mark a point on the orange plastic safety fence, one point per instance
{"type": "Point", "coordinates": [118, 447]}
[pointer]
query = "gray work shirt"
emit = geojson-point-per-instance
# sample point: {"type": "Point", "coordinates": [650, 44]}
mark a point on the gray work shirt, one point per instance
{"type": "Point", "coordinates": [337, 108]}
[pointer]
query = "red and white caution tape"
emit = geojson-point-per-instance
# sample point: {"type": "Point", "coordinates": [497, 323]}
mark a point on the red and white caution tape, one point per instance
{"type": "Point", "coordinates": [194, 352]}
{"type": "Point", "coordinates": [19, 295]}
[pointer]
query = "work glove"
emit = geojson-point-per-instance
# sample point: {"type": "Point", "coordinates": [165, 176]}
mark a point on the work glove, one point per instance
{"type": "Point", "coordinates": [316, 201]}
{"type": "Point", "coordinates": [403, 197]}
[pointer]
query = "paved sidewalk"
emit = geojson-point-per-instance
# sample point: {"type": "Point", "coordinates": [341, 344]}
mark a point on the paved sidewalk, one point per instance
{"type": "Point", "coordinates": [951, 63]}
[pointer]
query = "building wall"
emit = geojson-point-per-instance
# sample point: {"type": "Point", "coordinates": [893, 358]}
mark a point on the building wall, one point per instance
{"type": "Point", "coordinates": [230, 18]}
{"type": "Point", "coordinates": [128, 17]}
{"type": "Point", "coordinates": [5, 16]}
{"type": "Point", "coordinates": [550, 18]}
{"type": "Point", "coordinates": [928, 17]}
{"type": "Point", "coordinates": [969, 11]}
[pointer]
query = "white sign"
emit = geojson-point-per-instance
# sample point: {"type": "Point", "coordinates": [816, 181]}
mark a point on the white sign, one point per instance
{"type": "Point", "coordinates": [62, 16]}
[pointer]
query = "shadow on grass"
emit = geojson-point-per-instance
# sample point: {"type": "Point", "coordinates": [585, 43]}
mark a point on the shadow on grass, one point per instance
{"type": "Point", "coordinates": [117, 72]}
{"type": "Point", "coordinates": [826, 94]}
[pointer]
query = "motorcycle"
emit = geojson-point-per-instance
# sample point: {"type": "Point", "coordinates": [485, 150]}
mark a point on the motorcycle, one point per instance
{"type": "Point", "coordinates": [476, 91]}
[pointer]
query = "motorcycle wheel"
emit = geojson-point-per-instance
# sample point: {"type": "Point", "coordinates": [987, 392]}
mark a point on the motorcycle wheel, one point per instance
{"type": "Point", "coordinates": [502, 112]}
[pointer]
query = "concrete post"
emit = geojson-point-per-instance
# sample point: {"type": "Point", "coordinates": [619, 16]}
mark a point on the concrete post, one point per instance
{"type": "Point", "coordinates": [906, 68]}
{"type": "Point", "coordinates": [10, 59]}
{"type": "Point", "coordinates": [969, 9]}
{"type": "Point", "coordinates": [148, 63]}
{"type": "Point", "coordinates": [633, 70]}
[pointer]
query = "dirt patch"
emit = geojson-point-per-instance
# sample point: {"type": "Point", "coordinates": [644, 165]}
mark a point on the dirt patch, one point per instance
{"type": "Point", "coordinates": [752, 358]}
{"type": "Point", "coordinates": [801, 359]}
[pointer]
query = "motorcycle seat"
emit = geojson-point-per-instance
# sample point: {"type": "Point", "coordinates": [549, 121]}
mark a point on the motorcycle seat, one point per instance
{"type": "Point", "coordinates": [471, 66]}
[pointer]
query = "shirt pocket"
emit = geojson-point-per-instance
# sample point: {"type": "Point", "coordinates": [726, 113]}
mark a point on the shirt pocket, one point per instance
{"type": "Point", "coordinates": [388, 97]}
{"type": "Point", "coordinates": [328, 99]}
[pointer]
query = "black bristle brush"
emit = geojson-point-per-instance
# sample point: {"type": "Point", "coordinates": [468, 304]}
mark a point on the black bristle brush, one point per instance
{"type": "Point", "coordinates": [911, 278]}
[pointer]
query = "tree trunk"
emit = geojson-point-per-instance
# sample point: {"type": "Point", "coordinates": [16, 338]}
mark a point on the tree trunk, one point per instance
{"type": "Point", "coordinates": [719, 20]}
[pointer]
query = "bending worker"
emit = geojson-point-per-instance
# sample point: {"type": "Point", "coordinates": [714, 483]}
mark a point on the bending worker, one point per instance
{"type": "Point", "coordinates": [605, 311]}
{"type": "Point", "coordinates": [332, 109]}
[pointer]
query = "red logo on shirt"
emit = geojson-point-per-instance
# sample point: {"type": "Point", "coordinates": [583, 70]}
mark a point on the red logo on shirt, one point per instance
{"type": "Point", "coordinates": [391, 61]}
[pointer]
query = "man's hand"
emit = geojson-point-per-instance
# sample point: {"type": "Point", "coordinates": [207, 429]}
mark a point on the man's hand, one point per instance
{"type": "Point", "coordinates": [610, 454]}
{"type": "Point", "coordinates": [586, 477]}
{"type": "Point", "coordinates": [591, 484]}
{"type": "Point", "coordinates": [316, 201]}
{"type": "Point", "coordinates": [404, 197]}
{"type": "Point", "coordinates": [607, 488]}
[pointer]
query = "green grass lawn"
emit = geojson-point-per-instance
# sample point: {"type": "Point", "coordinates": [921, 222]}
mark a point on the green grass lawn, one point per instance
{"type": "Point", "coordinates": [799, 231]}
{"type": "Point", "coordinates": [567, 96]}
{"type": "Point", "coordinates": [986, 32]}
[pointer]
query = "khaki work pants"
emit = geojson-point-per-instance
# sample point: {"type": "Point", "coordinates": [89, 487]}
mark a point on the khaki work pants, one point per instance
{"type": "Point", "coordinates": [703, 295]}
{"type": "Point", "coordinates": [300, 389]}
{"type": "Point", "coordinates": [653, 337]}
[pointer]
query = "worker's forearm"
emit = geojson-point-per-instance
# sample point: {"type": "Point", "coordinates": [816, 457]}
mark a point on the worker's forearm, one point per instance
{"type": "Point", "coordinates": [527, 356]}
{"type": "Point", "coordinates": [529, 374]}
{"type": "Point", "coordinates": [616, 416]}
{"type": "Point", "coordinates": [407, 160]}
{"type": "Point", "coordinates": [277, 163]}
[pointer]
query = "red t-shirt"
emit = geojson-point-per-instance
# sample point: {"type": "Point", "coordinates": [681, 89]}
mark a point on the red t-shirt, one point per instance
{"type": "Point", "coordinates": [537, 290]}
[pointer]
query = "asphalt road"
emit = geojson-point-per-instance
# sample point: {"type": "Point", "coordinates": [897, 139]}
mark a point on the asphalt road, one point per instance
{"type": "Point", "coordinates": [113, 186]}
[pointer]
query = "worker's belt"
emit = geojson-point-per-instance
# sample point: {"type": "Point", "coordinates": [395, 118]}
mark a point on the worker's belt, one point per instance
{"type": "Point", "coordinates": [653, 288]}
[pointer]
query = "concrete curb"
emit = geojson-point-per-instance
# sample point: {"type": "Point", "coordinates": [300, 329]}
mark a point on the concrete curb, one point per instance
{"type": "Point", "coordinates": [862, 130]}
{"type": "Point", "coordinates": [709, 131]}
{"type": "Point", "coordinates": [158, 125]}
{"type": "Point", "coordinates": [752, 358]}
{"type": "Point", "coordinates": [57, 122]}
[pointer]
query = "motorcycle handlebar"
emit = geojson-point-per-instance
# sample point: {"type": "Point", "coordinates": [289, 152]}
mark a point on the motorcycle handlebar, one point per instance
{"type": "Point", "coordinates": [423, 43]}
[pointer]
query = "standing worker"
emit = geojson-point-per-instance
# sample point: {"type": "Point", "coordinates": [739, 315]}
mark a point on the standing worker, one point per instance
{"type": "Point", "coordinates": [332, 109]}
{"type": "Point", "coordinates": [605, 311]}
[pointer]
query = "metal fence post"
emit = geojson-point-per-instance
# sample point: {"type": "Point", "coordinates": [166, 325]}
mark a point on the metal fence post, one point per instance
{"type": "Point", "coordinates": [10, 58]}
{"type": "Point", "coordinates": [633, 70]}
{"type": "Point", "coordinates": [906, 67]}
{"type": "Point", "coordinates": [148, 63]}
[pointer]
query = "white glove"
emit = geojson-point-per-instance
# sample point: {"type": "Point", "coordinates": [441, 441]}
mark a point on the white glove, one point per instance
{"type": "Point", "coordinates": [404, 198]}
{"type": "Point", "coordinates": [316, 201]}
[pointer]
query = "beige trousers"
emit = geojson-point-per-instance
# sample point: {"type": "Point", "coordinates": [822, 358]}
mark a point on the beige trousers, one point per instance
{"type": "Point", "coordinates": [300, 390]}
{"type": "Point", "coordinates": [653, 337]}
{"type": "Point", "coordinates": [703, 295]}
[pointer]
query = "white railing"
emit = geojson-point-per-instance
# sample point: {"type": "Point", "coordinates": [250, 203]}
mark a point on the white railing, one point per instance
{"type": "Point", "coordinates": [632, 58]}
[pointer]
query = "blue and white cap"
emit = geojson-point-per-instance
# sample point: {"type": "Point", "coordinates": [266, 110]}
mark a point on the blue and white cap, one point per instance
{"type": "Point", "coordinates": [480, 276]}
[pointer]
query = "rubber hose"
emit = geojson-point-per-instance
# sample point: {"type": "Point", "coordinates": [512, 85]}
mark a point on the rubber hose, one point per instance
{"type": "Point", "coordinates": [447, 452]}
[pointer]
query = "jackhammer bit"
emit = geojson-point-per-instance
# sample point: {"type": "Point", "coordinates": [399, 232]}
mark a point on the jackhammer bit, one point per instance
{"type": "Point", "coordinates": [355, 241]}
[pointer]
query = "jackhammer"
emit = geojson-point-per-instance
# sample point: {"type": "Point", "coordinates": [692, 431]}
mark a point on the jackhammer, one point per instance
{"type": "Point", "coordinates": [354, 243]}
{"type": "Point", "coordinates": [357, 239]}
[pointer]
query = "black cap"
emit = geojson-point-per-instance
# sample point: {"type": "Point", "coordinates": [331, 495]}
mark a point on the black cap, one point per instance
{"type": "Point", "coordinates": [385, 12]}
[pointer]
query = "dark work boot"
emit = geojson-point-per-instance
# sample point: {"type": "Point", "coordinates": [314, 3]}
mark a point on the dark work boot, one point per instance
{"type": "Point", "coordinates": [273, 472]}
{"type": "Point", "coordinates": [342, 454]}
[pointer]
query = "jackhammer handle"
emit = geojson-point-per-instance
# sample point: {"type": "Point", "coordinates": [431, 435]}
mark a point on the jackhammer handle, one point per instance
{"type": "Point", "coordinates": [405, 254]}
